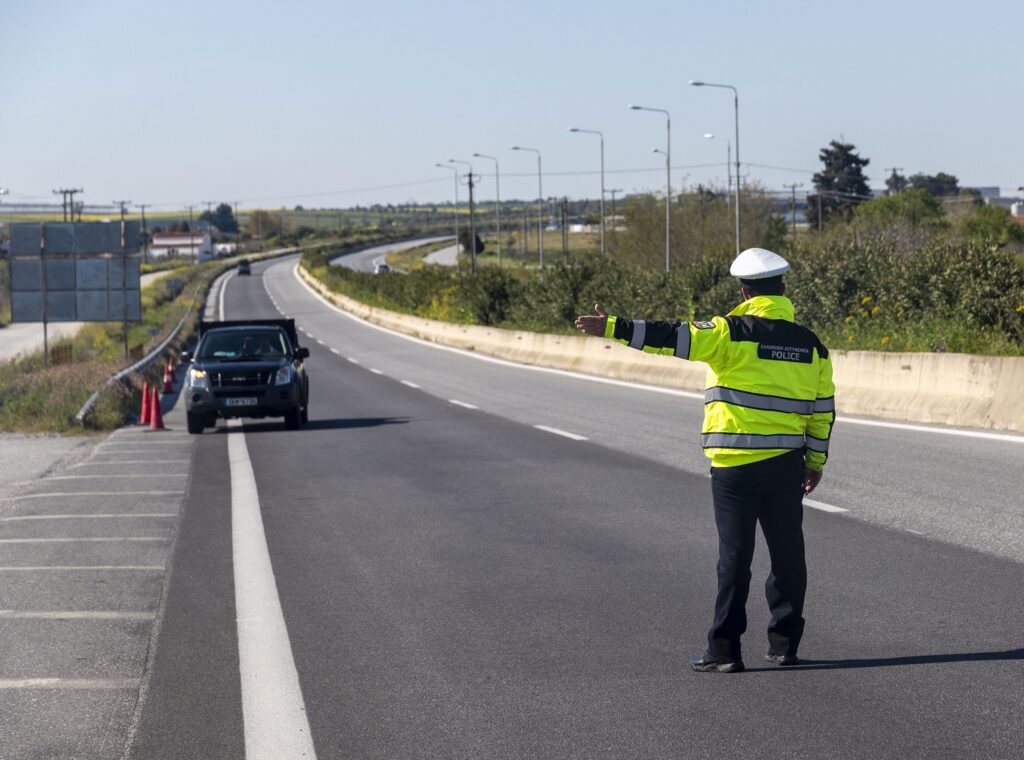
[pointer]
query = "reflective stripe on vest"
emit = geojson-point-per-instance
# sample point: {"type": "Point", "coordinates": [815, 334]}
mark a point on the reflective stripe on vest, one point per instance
{"type": "Point", "coordinates": [817, 444]}
{"type": "Point", "coordinates": [759, 401]}
{"type": "Point", "coordinates": [751, 441]}
{"type": "Point", "coordinates": [639, 331]}
{"type": "Point", "coordinates": [683, 340]}
{"type": "Point", "coordinates": [825, 404]}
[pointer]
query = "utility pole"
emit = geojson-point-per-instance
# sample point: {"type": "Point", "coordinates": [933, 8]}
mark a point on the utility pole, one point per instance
{"type": "Point", "coordinates": [145, 244]}
{"type": "Point", "coordinates": [565, 230]}
{"type": "Point", "coordinates": [792, 187]}
{"type": "Point", "coordinates": [192, 233]}
{"type": "Point", "coordinates": [68, 200]}
{"type": "Point", "coordinates": [123, 205]}
{"type": "Point", "coordinates": [893, 169]}
{"type": "Point", "coordinates": [472, 225]}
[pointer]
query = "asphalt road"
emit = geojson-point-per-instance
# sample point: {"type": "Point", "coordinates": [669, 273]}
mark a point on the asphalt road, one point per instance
{"type": "Point", "coordinates": [448, 580]}
{"type": "Point", "coordinates": [366, 259]}
{"type": "Point", "coordinates": [456, 582]}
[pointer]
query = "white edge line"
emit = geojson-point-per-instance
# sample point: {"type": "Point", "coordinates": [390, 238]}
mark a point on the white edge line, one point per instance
{"type": "Point", "coordinates": [82, 540]}
{"type": "Point", "coordinates": [463, 404]}
{"type": "Point", "coordinates": [640, 386]}
{"type": "Point", "coordinates": [22, 497]}
{"type": "Point", "coordinates": [563, 433]}
{"type": "Point", "coordinates": [822, 506]}
{"type": "Point", "coordinates": [273, 711]}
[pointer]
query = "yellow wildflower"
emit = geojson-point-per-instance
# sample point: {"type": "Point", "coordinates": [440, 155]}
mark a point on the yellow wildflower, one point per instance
{"type": "Point", "coordinates": [885, 340]}
{"type": "Point", "coordinates": [865, 299]}
{"type": "Point", "coordinates": [1020, 308]}
{"type": "Point", "coordinates": [875, 309]}
{"type": "Point", "coordinates": [850, 318]}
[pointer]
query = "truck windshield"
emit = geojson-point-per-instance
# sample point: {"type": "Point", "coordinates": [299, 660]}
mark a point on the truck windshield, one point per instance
{"type": "Point", "coordinates": [236, 346]}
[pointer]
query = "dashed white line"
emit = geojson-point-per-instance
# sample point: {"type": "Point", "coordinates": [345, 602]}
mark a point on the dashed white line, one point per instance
{"type": "Point", "coordinates": [129, 539]}
{"type": "Point", "coordinates": [563, 433]}
{"type": "Point", "coordinates": [75, 615]}
{"type": "Point", "coordinates": [78, 568]}
{"type": "Point", "coordinates": [410, 384]}
{"type": "Point", "coordinates": [822, 506]}
{"type": "Point", "coordinates": [915, 532]}
{"type": "Point", "coordinates": [320, 342]}
{"type": "Point", "coordinates": [69, 683]}
{"type": "Point", "coordinates": [352, 359]}
{"type": "Point", "coordinates": [336, 352]}
{"type": "Point", "coordinates": [114, 476]}
{"type": "Point", "coordinates": [376, 371]}
{"type": "Point", "coordinates": [22, 497]}
{"type": "Point", "coordinates": [463, 404]}
{"type": "Point", "coordinates": [87, 517]}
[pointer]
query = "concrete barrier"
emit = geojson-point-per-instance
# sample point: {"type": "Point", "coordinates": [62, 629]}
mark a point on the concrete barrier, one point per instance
{"type": "Point", "coordinates": [948, 389]}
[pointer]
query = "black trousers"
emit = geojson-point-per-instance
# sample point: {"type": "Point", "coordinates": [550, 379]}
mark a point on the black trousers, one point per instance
{"type": "Point", "coordinates": [769, 492]}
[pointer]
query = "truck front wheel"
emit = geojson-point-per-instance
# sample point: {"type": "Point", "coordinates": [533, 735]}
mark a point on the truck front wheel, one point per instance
{"type": "Point", "coordinates": [195, 423]}
{"type": "Point", "coordinates": [292, 419]}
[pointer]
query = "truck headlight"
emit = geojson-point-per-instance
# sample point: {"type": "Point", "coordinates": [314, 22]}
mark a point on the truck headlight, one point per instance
{"type": "Point", "coordinates": [283, 376]}
{"type": "Point", "coordinates": [197, 379]}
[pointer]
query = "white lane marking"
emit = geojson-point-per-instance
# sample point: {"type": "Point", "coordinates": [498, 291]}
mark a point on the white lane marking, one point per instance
{"type": "Point", "coordinates": [1005, 437]}
{"type": "Point", "coordinates": [463, 404]}
{"type": "Point", "coordinates": [320, 342]}
{"type": "Point", "coordinates": [223, 290]}
{"type": "Point", "coordinates": [352, 359]}
{"type": "Point", "coordinates": [376, 371]}
{"type": "Point", "coordinates": [336, 351]}
{"type": "Point", "coordinates": [915, 532]}
{"type": "Point", "coordinates": [90, 493]}
{"type": "Point", "coordinates": [82, 540]}
{"type": "Point", "coordinates": [638, 386]}
{"type": "Point", "coordinates": [69, 683]}
{"type": "Point", "coordinates": [91, 463]}
{"type": "Point", "coordinates": [410, 384]}
{"type": "Point", "coordinates": [78, 568]}
{"type": "Point", "coordinates": [87, 517]}
{"type": "Point", "coordinates": [118, 475]}
{"type": "Point", "coordinates": [274, 713]}
{"type": "Point", "coordinates": [75, 615]}
{"type": "Point", "coordinates": [563, 433]}
{"type": "Point", "coordinates": [822, 506]}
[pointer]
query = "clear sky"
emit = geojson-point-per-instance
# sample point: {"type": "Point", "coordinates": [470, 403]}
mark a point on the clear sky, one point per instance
{"type": "Point", "coordinates": [338, 103]}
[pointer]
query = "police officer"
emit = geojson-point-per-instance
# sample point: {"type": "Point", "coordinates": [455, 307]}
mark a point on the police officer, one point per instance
{"type": "Point", "coordinates": [768, 412]}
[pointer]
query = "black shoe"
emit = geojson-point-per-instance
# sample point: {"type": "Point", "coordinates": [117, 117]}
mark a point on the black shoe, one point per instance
{"type": "Point", "coordinates": [782, 660]}
{"type": "Point", "coordinates": [708, 664]}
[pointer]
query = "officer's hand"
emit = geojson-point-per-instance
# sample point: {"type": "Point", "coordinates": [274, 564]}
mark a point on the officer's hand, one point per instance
{"type": "Point", "coordinates": [811, 480]}
{"type": "Point", "coordinates": [591, 325]}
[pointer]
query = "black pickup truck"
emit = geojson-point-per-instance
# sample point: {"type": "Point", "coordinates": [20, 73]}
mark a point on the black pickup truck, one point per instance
{"type": "Point", "coordinates": [248, 368]}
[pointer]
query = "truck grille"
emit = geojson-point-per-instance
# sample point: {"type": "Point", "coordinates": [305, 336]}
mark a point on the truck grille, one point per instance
{"type": "Point", "coordinates": [237, 379]}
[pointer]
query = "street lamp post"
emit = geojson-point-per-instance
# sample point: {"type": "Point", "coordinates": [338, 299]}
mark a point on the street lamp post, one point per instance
{"type": "Point", "coordinates": [472, 216]}
{"type": "Point", "coordinates": [540, 203]}
{"type": "Point", "coordinates": [668, 181]}
{"type": "Point", "coordinates": [736, 103]}
{"type": "Point", "coordinates": [456, 214]}
{"type": "Point", "coordinates": [601, 135]}
{"type": "Point", "coordinates": [497, 194]}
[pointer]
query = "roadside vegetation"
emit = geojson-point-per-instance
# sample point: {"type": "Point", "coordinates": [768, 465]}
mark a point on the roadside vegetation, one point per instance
{"type": "Point", "coordinates": [928, 267]}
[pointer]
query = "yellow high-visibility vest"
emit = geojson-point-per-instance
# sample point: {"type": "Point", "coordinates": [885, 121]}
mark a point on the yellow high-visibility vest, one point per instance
{"type": "Point", "coordinates": [769, 385]}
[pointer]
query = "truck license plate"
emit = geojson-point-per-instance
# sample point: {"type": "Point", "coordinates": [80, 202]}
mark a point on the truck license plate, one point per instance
{"type": "Point", "coordinates": [239, 402]}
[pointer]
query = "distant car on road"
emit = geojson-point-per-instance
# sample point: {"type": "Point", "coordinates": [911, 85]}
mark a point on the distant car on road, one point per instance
{"type": "Point", "coordinates": [244, 267]}
{"type": "Point", "coordinates": [381, 269]}
{"type": "Point", "coordinates": [251, 368]}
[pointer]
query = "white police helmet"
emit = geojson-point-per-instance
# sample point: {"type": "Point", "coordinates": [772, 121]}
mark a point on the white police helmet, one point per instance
{"type": "Point", "coordinates": [758, 264]}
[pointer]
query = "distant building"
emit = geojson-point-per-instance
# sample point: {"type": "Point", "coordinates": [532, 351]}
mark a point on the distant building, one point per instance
{"type": "Point", "coordinates": [196, 245]}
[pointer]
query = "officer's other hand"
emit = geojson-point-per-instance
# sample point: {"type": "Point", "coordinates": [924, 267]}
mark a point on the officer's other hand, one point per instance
{"type": "Point", "coordinates": [592, 325]}
{"type": "Point", "coordinates": [811, 480]}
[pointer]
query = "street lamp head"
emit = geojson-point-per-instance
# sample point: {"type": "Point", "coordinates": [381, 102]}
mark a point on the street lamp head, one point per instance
{"type": "Point", "coordinates": [635, 108]}
{"type": "Point", "coordinates": [516, 147]}
{"type": "Point", "coordinates": [695, 83]}
{"type": "Point", "coordinates": [709, 136]}
{"type": "Point", "coordinates": [478, 155]}
{"type": "Point", "coordinates": [574, 129]}
{"type": "Point", "coordinates": [657, 150]}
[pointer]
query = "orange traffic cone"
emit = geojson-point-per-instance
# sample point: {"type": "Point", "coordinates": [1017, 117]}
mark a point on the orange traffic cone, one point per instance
{"type": "Point", "coordinates": [173, 360]}
{"type": "Point", "coordinates": [156, 421]}
{"type": "Point", "coordinates": [168, 379]}
{"type": "Point", "coordinates": [146, 407]}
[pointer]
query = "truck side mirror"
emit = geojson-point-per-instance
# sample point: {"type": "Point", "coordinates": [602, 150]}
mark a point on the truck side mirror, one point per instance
{"type": "Point", "coordinates": [186, 356]}
{"type": "Point", "coordinates": [301, 352]}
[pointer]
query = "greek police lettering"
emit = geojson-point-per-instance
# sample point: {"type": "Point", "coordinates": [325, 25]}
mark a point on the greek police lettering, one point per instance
{"type": "Point", "coordinates": [704, 325]}
{"type": "Point", "coordinates": [801, 354]}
